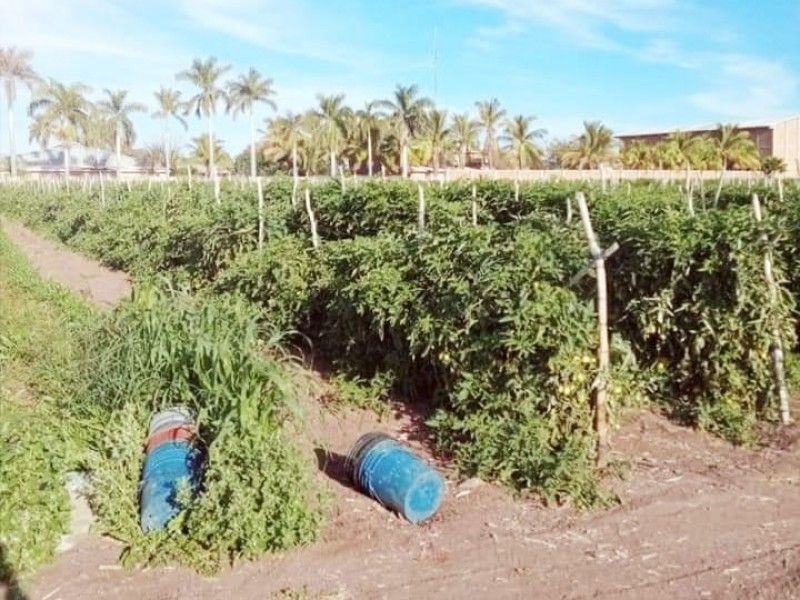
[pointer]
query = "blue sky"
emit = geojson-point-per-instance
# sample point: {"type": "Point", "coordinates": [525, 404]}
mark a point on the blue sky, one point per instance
{"type": "Point", "coordinates": [634, 64]}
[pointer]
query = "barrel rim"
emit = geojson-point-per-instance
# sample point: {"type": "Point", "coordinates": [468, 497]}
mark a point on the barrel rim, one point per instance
{"type": "Point", "coordinates": [361, 448]}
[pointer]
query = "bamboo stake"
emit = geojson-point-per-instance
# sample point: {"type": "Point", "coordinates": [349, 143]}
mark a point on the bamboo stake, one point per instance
{"type": "Point", "coordinates": [312, 220]}
{"type": "Point", "coordinates": [719, 189]}
{"type": "Point", "coordinates": [260, 212]}
{"type": "Point", "coordinates": [777, 342]}
{"type": "Point", "coordinates": [603, 351]}
{"type": "Point", "coordinates": [474, 205]}
{"type": "Point", "coordinates": [421, 211]}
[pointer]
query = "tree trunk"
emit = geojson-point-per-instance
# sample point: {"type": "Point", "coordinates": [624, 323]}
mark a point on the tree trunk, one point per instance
{"type": "Point", "coordinates": [11, 152]}
{"type": "Point", "coordinates": [252, 146]}
{"type": "Point", "coordinates": [404, 156]}
{"type": "Point", "coordinates": [118, 141]}
{"type": "Point", "coordinates": [212, 167]}
{"type": "Point", "coordinates": [369, 151]}
{"type": "Point", "coordinates": [167, 149]}
{"type": "Point", "coordinates": [67, 147]}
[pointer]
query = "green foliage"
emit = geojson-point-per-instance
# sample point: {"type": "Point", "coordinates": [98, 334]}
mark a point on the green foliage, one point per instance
{"type": "Point", "coordinates": [36, 451]}
{"type": "Point", "coordinates": [482, 322]}
{"type": "Point", "coordinates": [164, 348]}
{"type": "Point", "coordinates": [34, 506]}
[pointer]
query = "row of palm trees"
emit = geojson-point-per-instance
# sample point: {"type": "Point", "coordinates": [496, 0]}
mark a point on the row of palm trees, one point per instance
{"type": "Point", "coordinates": [727, 148]}
{"type": "Point", "coordinates": [389, 135]}
{"type": "Point", "coordinates": [392, 134]}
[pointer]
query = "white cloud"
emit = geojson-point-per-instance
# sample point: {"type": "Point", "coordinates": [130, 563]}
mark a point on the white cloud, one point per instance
{"type": "Point", "coordinates": [586, 21]}
{"type": "Point", "coordinates": [739, 86]}
{"type": "Point", "coordinates": [287, 27]}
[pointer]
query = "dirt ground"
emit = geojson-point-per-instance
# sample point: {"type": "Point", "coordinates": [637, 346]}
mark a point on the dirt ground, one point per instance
{"type": "Point", "coordinates": [698, 519]}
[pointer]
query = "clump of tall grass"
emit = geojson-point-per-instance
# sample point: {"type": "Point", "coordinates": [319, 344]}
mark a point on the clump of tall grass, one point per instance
{"type": "Point", "coordinates": [165, 348]}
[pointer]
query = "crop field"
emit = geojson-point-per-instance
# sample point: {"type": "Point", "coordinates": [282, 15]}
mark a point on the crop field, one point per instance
{"type": "Point", "coordinates": [472, 300]}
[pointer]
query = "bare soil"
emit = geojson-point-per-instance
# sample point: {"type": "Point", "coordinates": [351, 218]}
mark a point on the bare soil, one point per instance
{"type": "Point", "coordinates": [698, 518]}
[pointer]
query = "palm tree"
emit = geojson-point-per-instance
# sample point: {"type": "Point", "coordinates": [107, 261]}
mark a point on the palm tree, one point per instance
{"type": "Point", "coordinates": [333, 116]}
{"type": "Point", "coordinates": [735, 147]}
{"type": "Point", "coordinates": [591, 148]}
{"type": "Point", "coordinates": [464, 131]}
{"type": "Point", "coordinates": [436, 134]}
{"type": "Point", "coordinates": [205, 75]}
{"type": "Point", "coordinates": [638, 155]}
{"type": "Point", "coordinates": [243, 94]}
{"type": "Point", "coordinates": [169, 107]}
{"type": "Point", "coordinates": [684, 146]}
{"type": "Point", "coordinates": [59, 111]}
{"type": "Point", "coordinates": [369, 121]}
{"type": "Point", "coordinates": [203, 154]}
{"type": "Point", "coordinates": [119, 109]}
{"type": "Point", "coordinates": [489, 116]}
{"type": "Point", "coordinates": [284, 135]}
{"type": "Point", "coordinates": [408, 110]}
{"type": "Point", "coordinates": [520, 139]}
{"type": "Point", "coordinates": [15, 68]}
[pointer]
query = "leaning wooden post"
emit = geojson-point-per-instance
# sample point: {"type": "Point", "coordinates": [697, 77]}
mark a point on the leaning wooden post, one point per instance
{"type": "Point", "coordinates": [474, 205]}
{"type": "Point", "coordinates": [312, 220]}
{"type": "Point", "coordinates": [777, 342]}
{"type": "Point", "coordinates": [719, 188]}
{"type": "Point", "coordinates": [690, 198]}
{"type": "Point", "coordinates": [421, 211]}
{"type": "Point", "coordinates": [260, 212]}
{"type": "Point", "coordinates": [603, 351]}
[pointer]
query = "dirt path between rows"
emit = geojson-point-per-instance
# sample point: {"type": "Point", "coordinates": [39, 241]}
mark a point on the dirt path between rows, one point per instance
{"type": "Point", "coordinates": [92, 281]}
{"type": "Point", "coordinates": [698, 519]}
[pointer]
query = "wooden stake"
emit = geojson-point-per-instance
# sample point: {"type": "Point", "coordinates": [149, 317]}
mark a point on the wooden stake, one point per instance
{"type": "Point", "coordinates": [474, 205]}
{"type": "Point", "coordinates": [777, 342]}
{"type": "Point", "coordinates": [102, 190]}
{"type": "Point", "coordinates": [421, 211]}
{"type": "Point", "coordinates": [294, 192]}
{"type": "Point", "coordinates": [569, 210]}
{"type": "Point", "coordinates": [690, 198]}
{"type": "Point", "coordinates": [516, 191]}
{"type": "Point", "coordinates": [189, 173]}
{"type": "Point", "coordinates": [719, 189]}
{"type": "Point", "coordinates": [260, 212]}
{"type": "Point", "coordinates": [312, 220]}
{"type": "Point", "coordinates": [780, 188]}
{"type": "Point", "coordinates": [603, 351]}
{"type": "Point", "coordinates": [216, 189]}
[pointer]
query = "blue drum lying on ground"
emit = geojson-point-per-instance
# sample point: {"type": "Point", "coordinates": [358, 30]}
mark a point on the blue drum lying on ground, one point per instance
{"type": "Point", "coordinates": [393, 475]}
{"type": "Point", "coordinates": [173, 456]}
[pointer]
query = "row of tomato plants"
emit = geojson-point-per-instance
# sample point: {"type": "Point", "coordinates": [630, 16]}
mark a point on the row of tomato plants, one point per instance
{"type": "Point", "coordinates": [482, 321]}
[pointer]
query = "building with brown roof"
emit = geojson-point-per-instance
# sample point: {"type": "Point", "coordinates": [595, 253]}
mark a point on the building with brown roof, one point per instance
{"type": "Point", "coordinates": [779, 138]}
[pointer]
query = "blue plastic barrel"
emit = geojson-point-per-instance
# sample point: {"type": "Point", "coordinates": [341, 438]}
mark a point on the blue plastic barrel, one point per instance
{"type": "Point", "coordinates": [396, 477]}
{"type": "Point", "coordinates": [164, 468]}
{"type": "Point", "coordinates": [172, 457]}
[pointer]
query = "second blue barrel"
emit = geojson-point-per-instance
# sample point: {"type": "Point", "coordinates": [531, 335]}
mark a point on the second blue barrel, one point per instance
{"type": "Point", "coordinates": [396, 477]}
